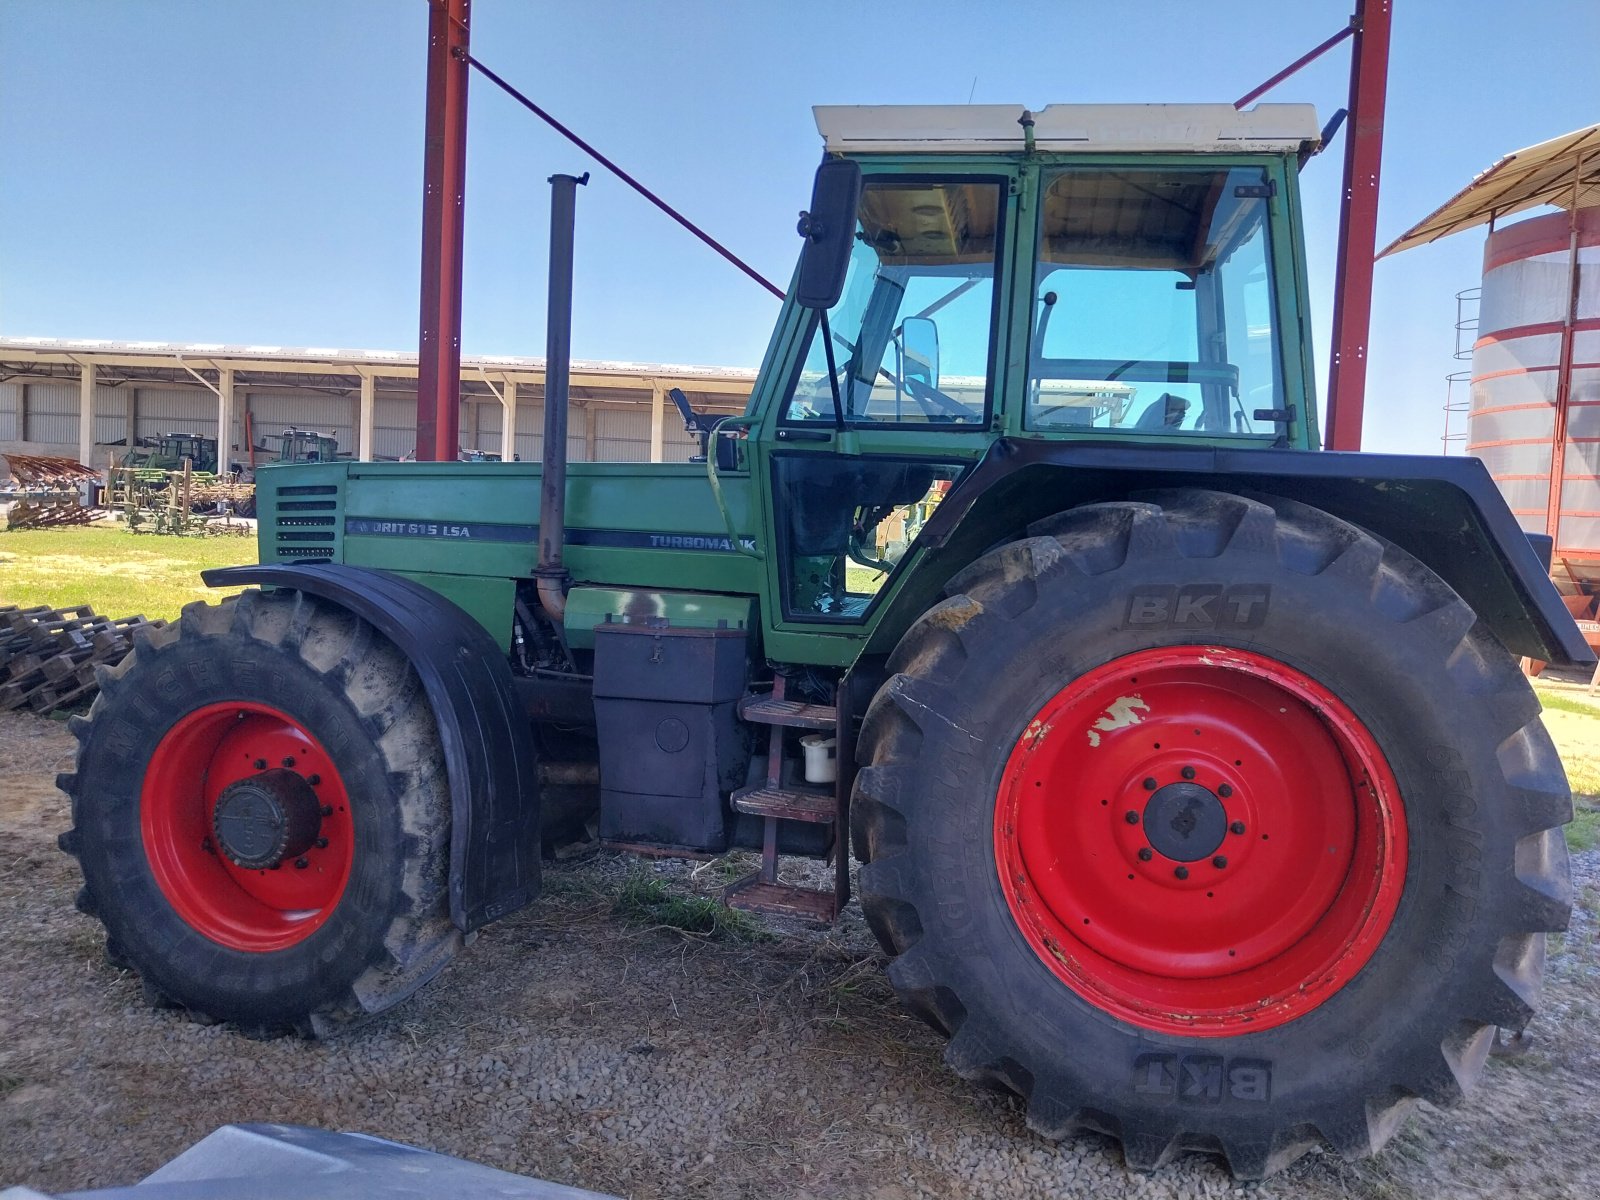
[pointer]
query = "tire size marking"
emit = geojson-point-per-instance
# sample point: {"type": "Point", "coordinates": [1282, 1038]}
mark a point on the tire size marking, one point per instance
{"type": "Point", "coordinates": [1198, 606]}
{"type": "Point", "coordinates": [1203, 1078]}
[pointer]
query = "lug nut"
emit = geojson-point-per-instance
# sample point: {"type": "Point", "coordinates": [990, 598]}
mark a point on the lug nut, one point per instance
{"type": "Point", "coordinates": [1224, 791]}
{"type": "Point", "coordinates": [300, 864]}
{"type": "Point", "coordinates": [1131, 817]}
{"type": "Point", "coordinates": [1219, 862]}
{"type": "Point", "coordinates": [1236, 827]}
{"type": "Point", "coordinates": [288, 760]}
{"type": "Point", "coordinates": [327, 811]}
{"type": "Point", "coordinates": [1150, 785]}
{"type": "Point", "coordinates": [322, 843]}
{"type": "Point", "coordinates": [1187, 772]}
{"type": "Point", "coordinates": [1146, 854]}
{"type": "Point", "coordinates": [261, 764]}
{"type": "Point", "coordinates": [1182, 872]}
{"type": "Point", "coordinates": [313, 780]}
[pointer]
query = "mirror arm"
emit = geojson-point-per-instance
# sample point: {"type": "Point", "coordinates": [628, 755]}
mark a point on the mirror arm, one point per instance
{"type": "Point", "coordinates": [730, 423]}
{"type": "Point", "coordinates": [833, 371]}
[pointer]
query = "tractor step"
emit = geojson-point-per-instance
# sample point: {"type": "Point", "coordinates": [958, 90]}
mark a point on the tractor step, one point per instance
{"type": "Point", "coordinates": [787, 804]}
{"type": "Point", "coordinates": [765, 709]}
{"type": "Point", "coordinates": [754, 894]}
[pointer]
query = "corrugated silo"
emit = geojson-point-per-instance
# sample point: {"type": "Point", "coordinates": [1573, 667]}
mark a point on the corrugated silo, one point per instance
{"type": "Point", "coordinates": [1534, 416]}
{"type": "Point", "coordinates": [1535, 412]}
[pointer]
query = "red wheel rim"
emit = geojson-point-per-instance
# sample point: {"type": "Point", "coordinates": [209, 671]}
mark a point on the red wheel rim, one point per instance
{"type": "Point", "coordinates": [204, 753]}
{"type": "Point", "coordinates": [1122, 778]}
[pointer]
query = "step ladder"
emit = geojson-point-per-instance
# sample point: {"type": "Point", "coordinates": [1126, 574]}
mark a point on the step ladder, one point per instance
{"type": "Point", "coordinates": [774, 801]}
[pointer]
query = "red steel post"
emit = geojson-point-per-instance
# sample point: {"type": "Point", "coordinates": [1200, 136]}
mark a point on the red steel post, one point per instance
{"type": "Point", "coordinates": [1358, 225]}
{"type": "Point", "coordinates": [444, 183]}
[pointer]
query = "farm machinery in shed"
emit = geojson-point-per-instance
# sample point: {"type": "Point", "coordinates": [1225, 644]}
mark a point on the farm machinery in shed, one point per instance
{"type": "Point", "coordinates": [1198, 797]}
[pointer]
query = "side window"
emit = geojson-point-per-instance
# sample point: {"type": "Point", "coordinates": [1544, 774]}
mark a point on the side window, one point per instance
{"type": "Point", "coordinates": [913, 330]}
{"type": "Point", "coordinates": [845, 523]}
{"type": "Point", "coordinates": [1153, 310]}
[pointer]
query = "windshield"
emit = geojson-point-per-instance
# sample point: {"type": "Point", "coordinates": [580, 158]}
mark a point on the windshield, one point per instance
{"type": "Point", "coordinates": [1153, 307]}
{"type": "Point", "coordinates": [912, 331]}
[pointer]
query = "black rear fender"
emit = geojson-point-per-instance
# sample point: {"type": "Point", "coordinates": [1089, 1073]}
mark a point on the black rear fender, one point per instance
{"type": "Point", "coordinates": [494, 790]}
{"type": "Point", "coordinates": [1446, 512]}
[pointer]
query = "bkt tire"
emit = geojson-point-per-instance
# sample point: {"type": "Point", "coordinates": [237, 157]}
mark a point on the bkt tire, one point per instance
{"type": "Point", "coordinates": [1211, 823]}
{"type": "Point", "coordinates": [262, 818]}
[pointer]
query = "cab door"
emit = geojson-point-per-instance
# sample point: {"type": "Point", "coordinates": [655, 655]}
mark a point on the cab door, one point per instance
{"type": "Point", "coordinates": [884, 400]}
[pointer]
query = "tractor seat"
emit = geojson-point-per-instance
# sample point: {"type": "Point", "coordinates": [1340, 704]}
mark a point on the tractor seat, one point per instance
{"type": "Point", "coordinates": [1166, 411]}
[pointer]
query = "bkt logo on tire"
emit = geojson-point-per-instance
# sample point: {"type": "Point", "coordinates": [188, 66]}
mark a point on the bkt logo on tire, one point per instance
{"type": "Point", "coordinates": [1198, 606]}
{"type": "Point", "coordinates": [1203, 1078]}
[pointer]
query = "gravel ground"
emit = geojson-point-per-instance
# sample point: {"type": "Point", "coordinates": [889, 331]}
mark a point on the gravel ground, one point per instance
{"type": "Point", "coordinates": [587, 1047]}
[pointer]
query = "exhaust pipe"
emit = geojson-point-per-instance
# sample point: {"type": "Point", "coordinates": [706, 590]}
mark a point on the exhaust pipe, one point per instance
{"type": "Point", "coordinates": [550, 577]}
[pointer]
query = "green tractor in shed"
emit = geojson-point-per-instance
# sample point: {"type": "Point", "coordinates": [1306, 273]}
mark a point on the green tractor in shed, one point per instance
{"type": "Point", "coordinates": [1198, 796]}
{"type": "Point", "coordinates": [169, 452]}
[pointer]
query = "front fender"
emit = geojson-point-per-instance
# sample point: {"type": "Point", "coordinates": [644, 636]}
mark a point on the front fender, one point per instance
{"type": "Point", "coordinates": [494, 788]}
{"type": "Point", "coordinates": [1445, 512]}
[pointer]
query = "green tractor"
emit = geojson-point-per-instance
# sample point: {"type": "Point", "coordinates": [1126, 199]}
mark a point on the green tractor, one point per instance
{"type": "Point", "coordinates": [168, 452]}
{"type": "Point", "coordinates": [301, 445]}
{"type": "Point", "coordinates": [1198, 795]}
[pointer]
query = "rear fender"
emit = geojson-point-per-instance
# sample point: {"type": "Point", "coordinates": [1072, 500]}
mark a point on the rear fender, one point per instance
{"type": "Point", "coordinates": [1446, 512]}
{"type": "Point", "coordinates": [494, 790]}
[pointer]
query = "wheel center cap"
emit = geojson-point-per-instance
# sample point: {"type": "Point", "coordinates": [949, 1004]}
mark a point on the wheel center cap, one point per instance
{"type": "Point", "coordinates": [267, 818]}
{"type": "Point", "coordinates": [1185, 822]}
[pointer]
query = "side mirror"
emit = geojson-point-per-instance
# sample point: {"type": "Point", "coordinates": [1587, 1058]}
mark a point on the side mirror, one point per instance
{"type": "Point", "coordinates": [919, 351]}
{"type": "Point", "coordinates": [829, 228]}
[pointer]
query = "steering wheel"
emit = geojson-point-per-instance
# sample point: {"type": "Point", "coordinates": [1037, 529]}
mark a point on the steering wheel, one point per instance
{"type": "Point", "coordinates": [936, 405]}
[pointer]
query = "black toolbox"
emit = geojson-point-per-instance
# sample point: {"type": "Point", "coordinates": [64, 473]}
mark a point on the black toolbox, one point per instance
{"type": "Point", "coordinates": [671, 745]}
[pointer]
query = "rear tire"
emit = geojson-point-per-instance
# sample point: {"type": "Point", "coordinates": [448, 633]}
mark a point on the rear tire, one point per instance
{"type": "Point", "coordinates": [1456, 865]}
{"type": "Point", "coordinates": [289, 693]}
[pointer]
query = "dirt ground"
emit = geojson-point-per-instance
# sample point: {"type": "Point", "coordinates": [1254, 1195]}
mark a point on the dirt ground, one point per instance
{"type": "Point", "coordinates": [577, 1044]}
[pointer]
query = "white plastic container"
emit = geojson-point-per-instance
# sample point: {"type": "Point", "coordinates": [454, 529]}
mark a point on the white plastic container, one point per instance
{"type": "Point", "coordinates": [822, 765]}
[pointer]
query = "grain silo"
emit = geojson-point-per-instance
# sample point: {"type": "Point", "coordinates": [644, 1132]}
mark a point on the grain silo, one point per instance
{"type": "Point", "coordinates": [1534, 413]}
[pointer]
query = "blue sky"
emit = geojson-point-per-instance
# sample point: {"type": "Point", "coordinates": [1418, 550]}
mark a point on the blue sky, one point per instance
{"type": "Point", "coordinates": [249, 170]}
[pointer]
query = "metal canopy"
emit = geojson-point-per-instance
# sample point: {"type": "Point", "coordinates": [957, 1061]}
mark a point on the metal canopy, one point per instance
{"type": "Point", "coordinates": [1565, 171]}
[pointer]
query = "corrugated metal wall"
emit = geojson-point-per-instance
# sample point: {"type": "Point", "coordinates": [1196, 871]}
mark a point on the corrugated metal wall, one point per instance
{"type": "Point", "coordinates": [52, 413]}
{"type": "Point", "coordinates": [271, 412]}
{"type": "Point", "coordinates": [11, 413]}
{"type": "Point", "coordinates": [175, 410]}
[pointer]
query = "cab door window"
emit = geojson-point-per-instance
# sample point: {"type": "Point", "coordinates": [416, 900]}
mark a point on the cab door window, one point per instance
{"type": "Point", "coordinates": [912, 334]}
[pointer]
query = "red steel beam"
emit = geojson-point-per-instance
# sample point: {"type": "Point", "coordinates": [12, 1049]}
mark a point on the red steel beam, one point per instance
{"type": "Point", "coordinates": [444, 184]}
{"type": "Point", "coordinates": [1304, 60]}
{"type": "Point", "coordinates": [1358, 225]}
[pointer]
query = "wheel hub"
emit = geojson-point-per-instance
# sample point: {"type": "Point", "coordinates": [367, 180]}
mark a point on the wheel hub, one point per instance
{"type": "Point", "coordinates": [253, 857]}
{"type": "Point", "coordinates": [262, 820]}
{"type": "Point", "coordinates": [1185, 822]}
{"type": "Point", "coordinates": [1200, 839]}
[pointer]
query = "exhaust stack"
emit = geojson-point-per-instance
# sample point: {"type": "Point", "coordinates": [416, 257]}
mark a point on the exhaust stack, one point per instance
{"type": "Point", "coordinates": [551, 576]}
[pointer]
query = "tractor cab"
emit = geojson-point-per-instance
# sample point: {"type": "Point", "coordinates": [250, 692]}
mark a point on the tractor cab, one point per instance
{"type": "Point", "coordinates": [299, 445]}
{"type": "Point", "coordinates": [1086, 271]}
{"type": "Point", "coordinates": [169, 452]}
{"type": "Point", "coordinates": [1119, 275]}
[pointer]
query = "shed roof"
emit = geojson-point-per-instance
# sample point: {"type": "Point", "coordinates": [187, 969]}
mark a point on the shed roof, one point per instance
{"type": "Point", "coordinates": [1564, 171]}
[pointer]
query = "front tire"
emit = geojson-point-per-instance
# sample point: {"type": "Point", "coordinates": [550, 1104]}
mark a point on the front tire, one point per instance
{"type": "Point", "coordinates": [1064, 738]}
{"type": "Point", "coordinates": [262, 817]}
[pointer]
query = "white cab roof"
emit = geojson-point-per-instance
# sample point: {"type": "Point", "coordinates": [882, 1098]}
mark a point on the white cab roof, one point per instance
{"type": "Point", "coordinates": [1087, 128]}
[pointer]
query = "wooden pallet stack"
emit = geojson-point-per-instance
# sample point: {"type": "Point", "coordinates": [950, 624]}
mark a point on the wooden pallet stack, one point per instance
{"type": "Point", "coordinates": [48, 655]}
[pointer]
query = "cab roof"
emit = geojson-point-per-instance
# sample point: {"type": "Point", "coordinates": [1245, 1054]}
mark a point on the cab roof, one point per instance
{"type": "Point", "coordinates": [1082, 128]}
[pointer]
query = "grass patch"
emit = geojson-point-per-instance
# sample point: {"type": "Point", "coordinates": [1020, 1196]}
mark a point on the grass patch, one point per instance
{"type": "Point", "coordinates": [1556, 702]}
{"type": "Point", "coordinates": [1584, 832]}
{"type": "Point", "coordinates": [120, 573]}
{"type": "Point", "coordinates": [645, 898]}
